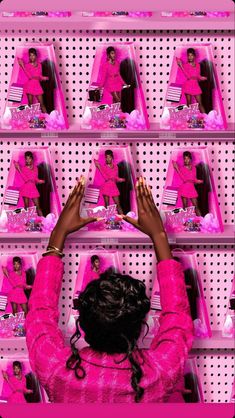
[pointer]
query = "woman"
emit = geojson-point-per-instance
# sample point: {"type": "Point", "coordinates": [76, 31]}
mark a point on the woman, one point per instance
{"type": "Point", "coordinates": [112, 311]}
{"type": "Point", "coordinates": [17, 383]}
{"type": "Point", "coordinates": [191, 70]}
{"type": "Point", "coordinates": [29, 173]}
{"type": "Point", "coordinates": [111, 79]}
{"type": "Point", "coordinates": [17, 278]}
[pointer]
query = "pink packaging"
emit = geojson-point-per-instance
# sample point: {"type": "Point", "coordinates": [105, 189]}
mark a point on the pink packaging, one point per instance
{"type": "Point", "coordinates": [14, 391]}
{"type": "Point", "coordinates": [193, 99]}
{"type": "Point", "coordinates": [189, 201]}
{"type": "Point", "coordinates": [16, 269]}
{"type": "Point", "coordinates": [195, 294]}
{"type": "Point", "coordinates": [229, 322]}
{"type": "Point", "coordinates": [110, 188]}
{"type": "Point", "coordinates": [115, 98]}
{"type": "Point", "coordinates": [91, 265]}
{"type": "Point", "coordinates": [35, 99]}
{"type": "Point", "coordinates": [31, 201]}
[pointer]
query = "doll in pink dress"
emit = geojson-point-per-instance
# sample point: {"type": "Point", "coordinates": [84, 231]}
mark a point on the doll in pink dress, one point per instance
{"type": "Point", "coordinates": [191, 70]}
{"type": "Point", "coordinates": [111, 79]}
{"type": "Point", "coordinates": [33, 71]}
{"type": "Point", "coordinates": [29, 173]}
{"type": "Point", "coordinates": [17, 279]}
{"type": "Point", "coordinates": [93, 272]}
{"type": "Point", "coordinates": [17, 383]}
{"type": "Point", "coordinates": [109, 189]}
{"type": "Point", "coordinates": [188, 176]}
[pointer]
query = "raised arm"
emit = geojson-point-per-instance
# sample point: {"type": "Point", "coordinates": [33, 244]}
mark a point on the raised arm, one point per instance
{"type": "Point", "coordinates": [44, 338]}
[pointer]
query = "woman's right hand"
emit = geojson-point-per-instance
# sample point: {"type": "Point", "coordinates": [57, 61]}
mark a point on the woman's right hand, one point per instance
{"type": "Point", "coordinates": [21, 62]}
{"type": "Point", "coordinates": [17, 165]}
{"type": "Point", "coordinates": [5, 375]}
{"type": "Point", "coordinates": [97, 164]}
{"type": "Point", "coordinates": [179, 62]}
{"type": "Point", "coordinates": [175, 165]}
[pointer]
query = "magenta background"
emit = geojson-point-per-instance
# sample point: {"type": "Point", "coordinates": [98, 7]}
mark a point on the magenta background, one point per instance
{"type": "Point", "coordinates": [6, 261]}
{"type": "Point", "coordinates": [95, 178]}
{"type": "Point", "coordinates": [173, 178]}
{"type": "Point", "coordinates": [18, 76]}
{"type": "Point", "coordinates": [15, 179]}
{"type": "Point", "coordinates": [203, 51]}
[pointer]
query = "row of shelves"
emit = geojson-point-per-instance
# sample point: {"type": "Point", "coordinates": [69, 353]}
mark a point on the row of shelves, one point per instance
{"type": "Point", "coordinates": [124, 238]}
{"type": "Point", "coordinates": [154, 133]}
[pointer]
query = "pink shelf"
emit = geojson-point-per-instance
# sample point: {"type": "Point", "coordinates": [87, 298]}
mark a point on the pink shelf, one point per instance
{"type": "Point", "coordinates": [155, 22]}
{"type": "Point", "coordinates": [154, 132]}
{"type": "Point", "coordinates": [124, 237]}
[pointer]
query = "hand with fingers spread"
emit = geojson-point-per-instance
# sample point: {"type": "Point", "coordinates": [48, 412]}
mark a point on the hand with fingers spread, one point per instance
{"type": "Point", "coordinates": [70, 219]}
{"type": "Point", "coordinates": [149, 220]}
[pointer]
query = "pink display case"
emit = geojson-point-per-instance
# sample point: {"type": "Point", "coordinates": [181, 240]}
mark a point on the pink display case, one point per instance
{"type": "Point", "coordinates": [17, 273]}
{"type": "Point", "coordinates": [189, 201]}
{"type": "Point", "coordinates": [91, 265]}
{"type": "Point", "coordinates": [195, 294]}
{"type": "Point", "coordinates": [31, 201]}
{"type": "Point", "coordinates": [193, 99]}
{"type": "Point", "coordinates": [110, 188]}
{"type": "Point", "coordinates": [35, 99]}
{"type": "Point", "coordinates": [115, 98]}
{"type": "Point", "coordinates": [14, 391]}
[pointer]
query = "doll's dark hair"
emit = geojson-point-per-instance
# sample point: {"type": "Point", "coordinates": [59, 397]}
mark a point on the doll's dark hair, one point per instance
{"type": "Point", "coordinates": [191, 51]}
{"type": "Point", "coordinates": [33, 51]}
{"type": "Point", "coordinates": [17, 260]}
{"type": "Point", "coordinates": [17, 364]}
{"type": "Point", "coordinates": [109, 50]}
{"type": "Point", "coordinates": [94, 258]}
{"type": "Point", "coordinates": [109, 152]}
{"type": "Point", "coordinates": [187, 154]}
{"type": "Point", "coordinates": [111, 310]}
{"type": "Point", "coordinates": [28, 154]}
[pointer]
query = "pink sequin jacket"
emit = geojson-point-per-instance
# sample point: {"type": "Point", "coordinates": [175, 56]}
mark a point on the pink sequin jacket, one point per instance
{"type": "Point", "coordinates": [107, 380]}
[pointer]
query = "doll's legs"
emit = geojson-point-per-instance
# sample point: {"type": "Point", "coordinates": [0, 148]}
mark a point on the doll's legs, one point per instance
{"type": "Point", "coordinates": [106, 200]}
{"type": "Point", "coordinates": [184, 201]}
{"type": "Point", "coordinates": [197, 210]}
{"type": "Point", "coordinates": [26, 202]}
{"type": "Point", "coordinates": [37, 204]}
{"type": "Point", "coordinates": [117, 202]}
{"type": "Point", "coordinates": [14, 307]}
{"type": "Point", "coordinates": [24, 306]}
{"type": "Point", "coordinates": [43, 107]}
{"type": "Point", "coordinates": [30, 99]}
{"type": "Point", "coordinates": [198, 99]}
{"type": "Point", "coordinates": [188, 99]}
{"type": "Point", "coordinates": [116, 96]}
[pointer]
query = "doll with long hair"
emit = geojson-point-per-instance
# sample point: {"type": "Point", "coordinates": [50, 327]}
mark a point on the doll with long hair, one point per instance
{"type": "Point", "coordinates": [191, 70]}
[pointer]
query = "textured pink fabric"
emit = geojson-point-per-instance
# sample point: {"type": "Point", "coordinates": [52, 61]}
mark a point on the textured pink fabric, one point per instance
{"type": "Point", "coordinates": [105, 380]}
{"type": "Point", "coordinates": [16, 294]}
{"type": "Point", "coordinates": [111, 79]}
{"type": "Point", "coordinates": [189, 177]}
{"type": "Point", "coordinates": [18, 389]}
{"type": "Point", "coordinates": [30, 177]}
{"type": "Point", "coordinates": [33, 86]}
{"type": "Point", "coordinates": [191, 85]}
{"type": "Point", "coordinates": [109, 187]}
{"type": "Point", "coordinates": [91, 275]}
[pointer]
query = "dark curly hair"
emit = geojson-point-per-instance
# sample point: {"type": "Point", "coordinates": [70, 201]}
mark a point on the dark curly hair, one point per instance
{"type": "Point", "coordinates": [112, 310]}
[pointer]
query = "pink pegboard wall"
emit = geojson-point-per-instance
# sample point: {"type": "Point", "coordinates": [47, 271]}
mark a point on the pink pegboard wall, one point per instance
{"type": "Point", "coordinates": [73, 157]}
{"type": "Point", "coordinates": [75, 51]}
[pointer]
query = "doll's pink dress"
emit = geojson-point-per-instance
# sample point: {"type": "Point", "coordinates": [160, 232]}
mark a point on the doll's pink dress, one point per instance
{"type": "Point", "coordinates": [109, 187]}
{"type": "Point", "coordinates": [30, 177]}
{"type": "Point", "coordinates": [189, 177]}
{"type": "Point", "coordinates": [16, 294]}
{"type": "Point", "coordinates": [16, 384]}
{"type": "Point", "coordinates": [33, 86]}
{"type": "Point", "coordinates": [111, 79]}
{"type": "Point", "coordinates": [191, 86]}
{"type": "Point", "coordinates": [90, 275]}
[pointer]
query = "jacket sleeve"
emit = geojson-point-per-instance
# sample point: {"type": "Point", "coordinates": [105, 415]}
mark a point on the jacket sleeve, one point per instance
{"type": "Point", "coordinates": [43, 336]}
{"type": "Point", "coordinates": [174, 338]}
